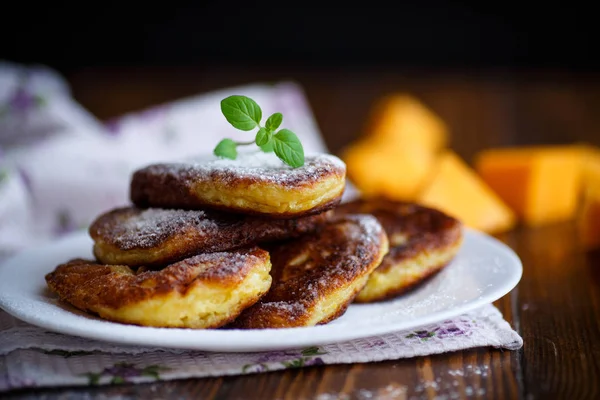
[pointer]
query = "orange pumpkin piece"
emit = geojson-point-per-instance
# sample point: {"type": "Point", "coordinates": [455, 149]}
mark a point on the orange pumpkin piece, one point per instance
{"type": "Point", "coordinates": [394, 171]}
{"type": "Point", "coordinates": [396, 153]}
{"type": "Point", "coordinates": [590, 165]}
{"type": "Point", "coordinates": [456, 189]}
{"type": "Point", "coordinates": [541, 184]}
{"type": "Point", "coordinates": [588, 222]}
{"type": "Point", "coordinates": [400, 119]}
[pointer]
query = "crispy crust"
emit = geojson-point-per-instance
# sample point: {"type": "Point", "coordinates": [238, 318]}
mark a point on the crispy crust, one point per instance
{"type": "Point", "coordinates": [270, 190]}
{"type": "Point", "coordinates": [423, 241]}
{"type": "Point", "coordinates": [316, 277]}
{"type": "Point", "coordinates": [117, 293]}
{"type": "Point", "coordinates": [157, 237]}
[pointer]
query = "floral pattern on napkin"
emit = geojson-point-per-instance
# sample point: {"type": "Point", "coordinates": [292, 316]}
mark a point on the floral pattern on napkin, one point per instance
{"type": "Point", "coordinates": [33, 357]}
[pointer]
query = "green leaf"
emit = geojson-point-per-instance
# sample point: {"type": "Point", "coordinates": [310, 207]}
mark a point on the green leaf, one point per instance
{"type": "Point", "coordinates": [242, 112]}
{"type": "Point", "coordinates": [117, 380]}
{"type": "Point", "coordinates": [267, 148]}
{"type": "Point", "coordinates": [246, 367]}
{"type": "Point", "coordinates": [39, 100]}
{"type": "Point", "coordinates": [298, 363]}
{"type": "Point", "coordinates": [151, 374]}
{"type": "Point", "coordinates": [273, 122]}
{"type": "Point", "coordinates": [226, 148]}
{"type": "Point", "coordinates": [93, 378]}
{"type": "Point", "coordinates": [263, 137]}
{"type": "Point", "coordinates": [288, 148]}
{"type": "Point", "coordinates": [153, 371]}
{"type": "Point", "coordinates": [312, 351]}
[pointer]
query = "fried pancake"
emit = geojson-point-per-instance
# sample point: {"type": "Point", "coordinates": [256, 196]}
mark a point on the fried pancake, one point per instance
{"type": "Point", "coordinates": [255, 183]}
{"type": "Point", "coordinates": [204, 291]}
{"type": "Point", "coordinates": [157, 237]}
{"type": "Point", "coordinates": [422, 242]}
{"type": "Point", "coordinates": [316, 277]}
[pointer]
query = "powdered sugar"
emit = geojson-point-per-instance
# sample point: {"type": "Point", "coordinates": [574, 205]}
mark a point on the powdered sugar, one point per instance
{"type": "Point", "coordinates": [255, 166]}
{"type": "Point", "coordinates": [192, 231]}
{"type": "Point", "coordinates": [370, 227]}
{"type": "Point", "coordinates": [230, 263]}
{"type": "Point", "coordinates": [144, 229]}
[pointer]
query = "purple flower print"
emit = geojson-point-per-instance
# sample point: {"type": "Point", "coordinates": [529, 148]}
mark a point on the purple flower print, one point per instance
{"type": "Point", "coordinates": [376, 343]}
{"type": "Point", "coordinates": [255, 368]}
{"type": "Point", "coordinates": [288, 359]}
{"type": "Point", "coordinates": [307, 358]}
{"type": "Point", "coordinates": [449, 328]}
{"type": "Point", "coordinates": [123, 372]}
{"type": "Point", "coordinates": [277, 356]}
{"type": "Point", "coordinates": [314, 362]}
{"type": "Point", "coordinates": [22, 100]}
{"type": "Point", "coordinates": [449, 331]}
{"type": "Point", "coordinates": [64, 223]}
{"type": "Point", "coordinates": [459, 327]}
{"type": "Point", "coordinates": [260, 364]}
{"type": "Point", "coordinates": [113, 126]}
{"type": "Point", "coordinates": [423, 335]}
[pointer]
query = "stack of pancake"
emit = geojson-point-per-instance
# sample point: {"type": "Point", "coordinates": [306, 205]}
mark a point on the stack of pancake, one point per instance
{"type": "Point", "coordinates": [251, 243]}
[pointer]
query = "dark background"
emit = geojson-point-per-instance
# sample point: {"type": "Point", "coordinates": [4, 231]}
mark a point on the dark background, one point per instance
{"type": "Point", "coordinates": [423, 34]}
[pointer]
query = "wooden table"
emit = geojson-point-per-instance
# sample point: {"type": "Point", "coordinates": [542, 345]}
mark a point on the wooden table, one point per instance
{"type": "Point", "coordinates": [556, 306]}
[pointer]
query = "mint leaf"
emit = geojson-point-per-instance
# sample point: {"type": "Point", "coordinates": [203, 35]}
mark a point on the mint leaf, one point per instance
{"type": "Point", "coordinates": [273, 122]}
{"type": "Point", "coordinates": [263, 137]}
{"type": "Point", "coordinates": [226, 148]}
{"type": "Point", "coordinates": [267, 148]}
{"type": "Point", "coordinates": [242, 112]}
{"type": "Point", "coordinates": [288, 148]}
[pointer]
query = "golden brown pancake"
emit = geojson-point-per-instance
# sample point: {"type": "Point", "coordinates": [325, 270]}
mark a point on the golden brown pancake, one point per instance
{"type": "Point", "coordinates": [255, 183]}
{"type": "Point", "coordinates": [204, 291]}
{"type": "Point", "coordinates": [422, 241]}
{"type": "Point", "coordinates": [316, 277]}
{"type": "Point", "coordinates": [157, 237]}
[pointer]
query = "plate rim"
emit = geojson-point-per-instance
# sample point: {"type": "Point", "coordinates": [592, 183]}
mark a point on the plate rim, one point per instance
{"type": "Point", "coordinates": [287, 338]}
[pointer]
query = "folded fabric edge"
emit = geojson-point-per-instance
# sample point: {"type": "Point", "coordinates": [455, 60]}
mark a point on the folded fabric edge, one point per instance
{"type": "Point", "coordinates": [157, 373]}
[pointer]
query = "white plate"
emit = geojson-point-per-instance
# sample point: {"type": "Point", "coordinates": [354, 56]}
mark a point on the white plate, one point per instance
{"type": "Point", "coordinates": [483, 271]}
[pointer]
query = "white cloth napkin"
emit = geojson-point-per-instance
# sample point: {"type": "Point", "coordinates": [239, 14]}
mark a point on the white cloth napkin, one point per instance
{"type": "Point", "coordinates": [33, 357]}
{"type": "Point", "coordinates": [60, 167]}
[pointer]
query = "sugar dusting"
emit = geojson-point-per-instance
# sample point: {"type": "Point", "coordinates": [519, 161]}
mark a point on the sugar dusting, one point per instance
{"type": "Point", "coordinates": [227, 264]}
{"type": "Point", "coordinates": [130, 228]}
{"type": "Point", "coordinates": [253, 166]}
{"type": "Point", "coordinates": [337, 255]}
{"type": "Point", "coordinates": [152, 225]}
{"type": "Point", "coordinates": [454, 383]}
{"type": "Point", "coordinates": [370, 229]}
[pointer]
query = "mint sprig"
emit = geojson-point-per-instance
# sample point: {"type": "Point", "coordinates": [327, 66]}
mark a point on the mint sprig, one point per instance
{"type": "Point", "coordinates": [245, 114]}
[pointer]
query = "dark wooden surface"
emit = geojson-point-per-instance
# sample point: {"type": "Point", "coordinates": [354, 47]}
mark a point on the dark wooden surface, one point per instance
{"type": "Point", "coordinates": [555, 307]}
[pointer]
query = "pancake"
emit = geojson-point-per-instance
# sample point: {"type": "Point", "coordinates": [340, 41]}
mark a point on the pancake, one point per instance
{"type": "Point", "coordinates": [316, 277]}
{"type": "Point", "coordinates": [255, 183]}
{"type": "Point", "coordinates": [422, 242]}
{"type": "Point", "coordinates": [156, 237]}
{"type": "Point", "coordinates": [204, 291]}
